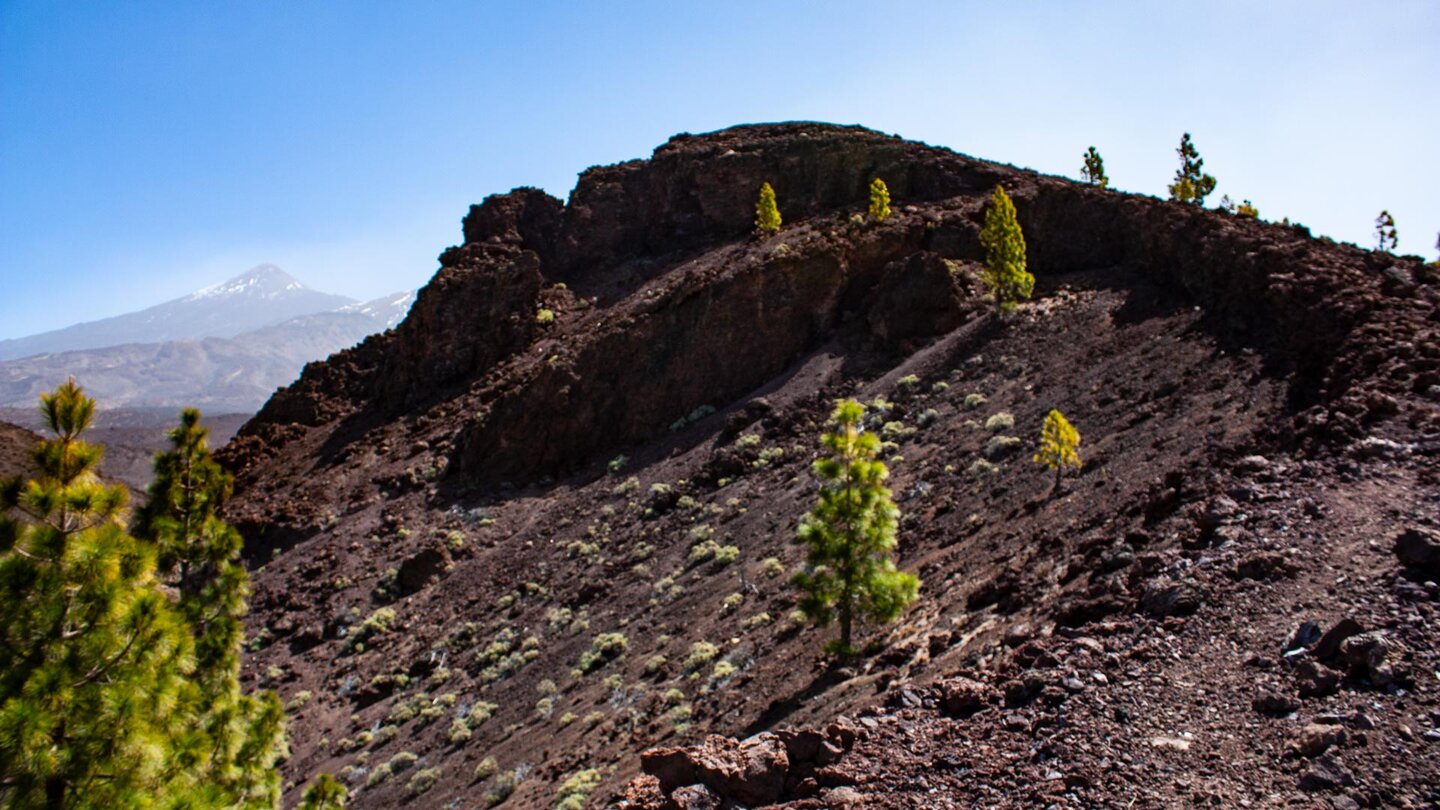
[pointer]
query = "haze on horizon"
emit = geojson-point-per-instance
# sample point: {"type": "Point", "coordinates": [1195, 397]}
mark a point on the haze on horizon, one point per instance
{"type": "Point", "coordinates": [148, 150]}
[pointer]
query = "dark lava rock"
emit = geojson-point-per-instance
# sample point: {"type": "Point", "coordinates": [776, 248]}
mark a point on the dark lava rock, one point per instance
{"type": "Point", "coordinates": [1165, 597]}
{"type": "Point", "coordinates": [1265, 566]}
{"type": "Point", "coordinates": [1419, 548]}
{"type": "Point", "coordinates": [963, 697]}
{"type": "Point", "coordinates": [1325, 773]}
{"type": "Point", "coordinates": [1274, 703]}
{"type": "Point", "coordinates": [750, 772]}
{"type": "Point", "coordinates": [420, 570]}
{"type": "Point", "coordinates": [1315, 679]}
{"type": "Point", "coordinates": [1365, 655]}
{"type": "Point", "coordinates": [1329, 645]}
{"type": "Point", "coordinates": [1305, 635]}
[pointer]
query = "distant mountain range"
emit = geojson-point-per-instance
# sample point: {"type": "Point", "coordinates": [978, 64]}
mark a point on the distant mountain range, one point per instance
{"type": "Point", "coordinates": [225, 348]}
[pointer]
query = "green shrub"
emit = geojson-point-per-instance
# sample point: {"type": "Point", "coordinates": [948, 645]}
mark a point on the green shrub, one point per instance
{"type": "Point", "coordinates": [1000, 447]}
{"type": "Point", "coordinates": [572, 792]}
{"type": "Point", "coordinates": [504, 785]}
{"type": "Point", "coordinates": [618, 463]}
{"type": "Point", "coordinates": [480, 712]}
{"type": "Point", "coordinates": [772, 567]}
{"type": "Point", "coordinates": [974, 400]}
{"type": "Point", "coordinates": [422, 781]}
{"type": "Point", "coordinates": [377, 623]}
{"type": "Point", "coordinates": [486, 769]}
{"type": "Point", "coordinates": [381, 773]}
{"type": "Point", "coordinates": [908, 383]}
{"type": "Point", "coordinates": [748, 440]}
{"type": "Point", "coordinates": [544, 316]}
{"type": "Point", "coordinates": [459, 731]}
{"type": "Point", "coordinates": [655, 663]}
{"type": "Point", "coordinates": [603, 648]}
{"type": "Point", "coordinates": [402, 761]}
{"type": "Point", "coordinates": [724, 555]}
{"type": "Point", "coordinates": [701, 653]}
{"type": "Point", "coordinates": [757, 620]}
{"type": "Point", "coordinates": [1000, 421]}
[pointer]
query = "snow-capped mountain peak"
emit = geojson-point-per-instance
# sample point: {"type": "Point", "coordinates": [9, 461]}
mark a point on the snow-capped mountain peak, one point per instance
{"type": "Point", "coordinates": [263, 281]}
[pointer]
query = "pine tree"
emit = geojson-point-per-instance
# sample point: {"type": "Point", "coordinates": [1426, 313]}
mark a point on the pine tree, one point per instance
{"type": "Point", "coordinates": [324, 794]}
{"type": "Point", "coordinates": [767, 214]}
{"type": "Point", "coordinates": [1094, 170]}
{"type": "Point", "coordinates": [1386, 237]}
{"type": "Point", "coordinates": [850, 575]}
{"type": "Point", "coordinates": [93, 659]}
{"type": "Point", "coordinates": [1059, 443]}
{"type": "Point", "coordinates": [1004, 275]}
{"type": "Point", "coordinates": [1191, 184]}
{"type": "Point", "coordinates": [879, 201]}
{"type": "Point", "coordinates": [236, 738]}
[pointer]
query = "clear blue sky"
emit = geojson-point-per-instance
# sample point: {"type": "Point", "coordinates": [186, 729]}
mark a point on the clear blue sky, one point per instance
{"type": "Point", "coordinates": [148, 148]}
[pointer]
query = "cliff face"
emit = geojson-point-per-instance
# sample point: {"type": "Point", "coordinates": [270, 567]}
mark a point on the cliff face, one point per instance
{"type": "Point", "coordinates": [470, 470]}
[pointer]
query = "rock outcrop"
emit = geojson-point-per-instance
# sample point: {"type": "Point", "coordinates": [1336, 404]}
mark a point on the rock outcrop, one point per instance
{"type": "Point", "coordinates": [547, 520]}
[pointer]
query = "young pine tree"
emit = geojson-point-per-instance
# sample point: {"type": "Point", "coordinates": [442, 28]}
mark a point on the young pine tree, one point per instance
{"type": "Point", "coordinates": [767, 214]}
{"type": "Point", "coordinates": [1192, 185]}
{"type": "Point", "coordinates": [1386, 237]}
{"type": "Point", "coordinates": [1093, 171]}
{"type": "Point", "coordinates": [93, 659]}
{"type": "Point", "coordinates": [324, 794]}
{"type": "Point", "coordinates": [1059, 444]}
{"type": "Point", "coordinates": [235, 737]}
{"type": "Point", "coordinates": [850, 575]}
{"type": "Point", "coordinates": [879, 201]}
{"type": "Point", "coordinates": [1004, 275]}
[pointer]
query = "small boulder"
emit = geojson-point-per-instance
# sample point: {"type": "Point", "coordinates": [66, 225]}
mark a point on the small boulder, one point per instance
{"type": "Point", "coordinates": [1265, 566]}
{"type": "Point", "coordinates": [1274, 703]}
{"type": "Point", "coordinates": [696, 797]}
{"type": "Point", "coordinates": [1302, 637]}
{"type": "Point", "coordinates": [1165, 597]}
{"type": "Point", "coordinates": [1365, 655]}
{"type": "Point", "coordinates": [963, 697]}
{"type": "Point", "coordinates": [1419, 548]}
{"type": "Point", "coordinates": [1326, 773]}
{"type": "Point", "coordinates": [1315, 679]}
{"type": "Point", "coordinates": [422, 569]}
{"type": "Point", "coordinates": [1314, 739]}
{"type": "Point", "coordinates": [1329, 645]}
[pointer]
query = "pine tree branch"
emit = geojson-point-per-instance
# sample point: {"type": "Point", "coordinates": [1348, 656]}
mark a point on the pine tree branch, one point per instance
{"type": "Point", "coordinates": [104, 668]}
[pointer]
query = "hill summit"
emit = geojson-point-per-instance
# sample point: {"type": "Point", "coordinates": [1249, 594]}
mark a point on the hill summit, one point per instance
{"type": "Point", "coordinates": [531, 546]}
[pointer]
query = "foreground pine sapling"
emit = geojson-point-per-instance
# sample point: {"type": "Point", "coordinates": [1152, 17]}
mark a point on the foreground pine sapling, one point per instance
{"type": "Point", "coordinates": [94, 661]}
{"type": "Point", "coordinates": [850, 574]}
{"type": "Point", "coordinates": [238, 737]}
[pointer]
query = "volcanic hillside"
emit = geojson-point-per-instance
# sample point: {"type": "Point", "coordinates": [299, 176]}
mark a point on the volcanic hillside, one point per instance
{"type": "Point", "coordinates": [497, 550]}
{"type": "Point", "coordinates": [15, 446]}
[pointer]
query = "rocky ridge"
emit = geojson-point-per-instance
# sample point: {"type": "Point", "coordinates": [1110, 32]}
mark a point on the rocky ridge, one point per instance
{"type": "Point", "coordinates": [565, 528]}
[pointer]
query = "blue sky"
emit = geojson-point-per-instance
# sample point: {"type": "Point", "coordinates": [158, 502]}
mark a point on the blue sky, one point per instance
{"type": "Point", "coordinates": [148, 149]}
